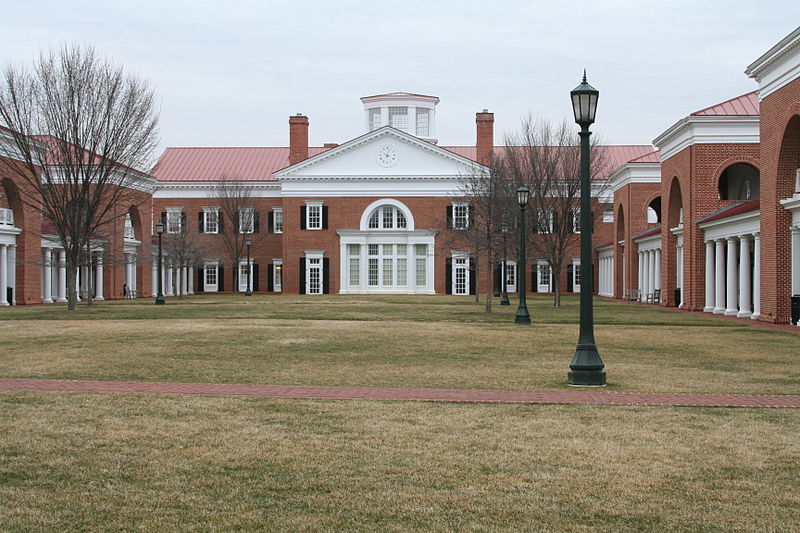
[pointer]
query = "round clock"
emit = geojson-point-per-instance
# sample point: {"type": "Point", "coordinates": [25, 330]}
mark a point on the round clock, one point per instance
{"type": "Point", "coordinates": [387, 156]}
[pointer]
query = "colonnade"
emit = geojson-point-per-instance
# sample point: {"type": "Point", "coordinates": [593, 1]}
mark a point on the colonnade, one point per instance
{"type": "Point", "coordinates": [649, 272]}
{"type": "Point", "coordinates": [178, 279]}
{"type": "Point", "coordinates": [54, 276]}
{"type": "Point", "coordinates": [8, 262]}
{"type": "Point", "coordinates": [733, 277]}
{"type": "Point", "coordinates": [605, 275]}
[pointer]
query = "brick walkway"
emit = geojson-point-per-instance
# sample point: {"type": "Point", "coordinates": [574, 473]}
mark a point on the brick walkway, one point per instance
{"type": "Point", "coordinates": [573, 396]}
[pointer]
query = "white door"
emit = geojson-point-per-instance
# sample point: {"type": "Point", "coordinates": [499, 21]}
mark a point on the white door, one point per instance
{"type": "Point", "coordinates": [576, 276]}
{"type": "Point", "coordinates": [544, 278]}
{"type": "Point", "coordinates": [511, 276]}
{"type": "Point", "coordinates": [210, 278]}
{"type": "Point", "coordinates": [243, 268]}
{"type": "Point", "coordinates": [314, 275]}
{"type": "Point", "coordinates": [460, 275]}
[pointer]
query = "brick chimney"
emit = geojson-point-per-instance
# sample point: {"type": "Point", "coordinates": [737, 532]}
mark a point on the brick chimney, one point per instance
{"type": "Point", "coordinates": [485, 137]}
{"type": "Point", "coordinates": [298, 138]}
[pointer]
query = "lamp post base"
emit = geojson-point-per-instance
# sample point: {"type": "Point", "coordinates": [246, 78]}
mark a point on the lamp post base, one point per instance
{"type": "Point", "coordinates": [504, 299]}
{"type": "Point", "coordinates": [160, 300]}
{"type": "Point", "coordinates": [522, 318]}
{"type": "Point", "coordinates": [586, 369]}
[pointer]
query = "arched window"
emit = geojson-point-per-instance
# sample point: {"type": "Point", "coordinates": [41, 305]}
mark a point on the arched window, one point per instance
{"type": "Point", "coordinates": [740, 181]}
{"type": "Point", "coordinates": [654, 211]}
{"type": "Point", "coordinates": [387, 217]}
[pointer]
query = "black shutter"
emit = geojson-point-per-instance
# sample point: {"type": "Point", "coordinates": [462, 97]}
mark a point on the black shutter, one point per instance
{"type": "Point", "coordinates": [303, 219]}
{"type": "Point", "coordinates": [325, 275]}
{"type": "Point", "coordinates": [534, 277]}
{"type": "Point", "coordinates": [302, 274]}
{"type": "Point", "coordinates": [270, 285]}
{"type": "Point", "coordinates": [220, 220]}
{"type": "Point", "coordinates": [256, 221]}
{"type": "Point", "coordinates": [220, 278]}
{"type": "Point", "coordinates": [448, 276]}
{"type": "Point", "coordinates": [201, 276]}
{"type": "Point", "coordinates": [271, 222]}
{"type": "Point", "coordinates": [498, 279]}
{"type": "Point", "coordinates": [164, 219]}
{"type": "Point", "coordinates": [473, 276]}
{"type": "Point", "coordinates": [471, 215]}
{"type": "Point", "coordinates": [570, 287]}
{"type": "Point", "coordinates": [324, 217]}
{"type": "Point", "coordinates": [236, 223]}
{"type": "Point", "coordinates": [556, 223]}
{"type": "Point", "coordinates": [450, 217]}
{"type": "Point", "coordinates": [184, 226]}
{"type": "Point", "coordinates": [255, 277]}
{"type": "Point", "coordinates": [200, 225]}
{"type": "Point", "coordinates": [235, 287]}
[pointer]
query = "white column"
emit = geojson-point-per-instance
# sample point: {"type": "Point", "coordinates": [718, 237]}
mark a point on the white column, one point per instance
{"type": "Point", "coordinates": [641, 274]}
{"type": "Point", "coordinates": [62, 275]}
{"type": "Point", "coordinates": [719, 277]}
{"type": "Point", "coordinates": [98, 283]}
{"type": "Point", "coordinates": [657, 269]}
{"type": "Point", "coordinates": [744, 277]}
{"type": "Point", "coordinates": [185, 279]}
{"type": "Point", "coordinates": [85, 282]}
{"type": "Point", "coordinates": [709, 277]}
{"type": "Point", "coordinates": [47, 276]}
{"type": "Point", "coordinates": [11, 276]}
{"type": "Point", "coordinates": [168, 277]}
{"type": "Point", "coordinates": [679, 275]}
{"type": "Point", "coordinates": [134, 280]}
{"type": "Point", "coordinates": [795, 260]}
{"type": "Point", "coordinates": [190, 280]}
{"type": "Point", "coordinates": [732, 281]}
{"type": "Point", "coordinates": [128, 276]}
{"type": "Point", "coordinates": [3, 273]}
{"type": "Point", "coordinates": [756, 276]}
{"type": "Point", "coordinates": [154, 278]}
{"type": "Point", "coordinates": [651, 271]}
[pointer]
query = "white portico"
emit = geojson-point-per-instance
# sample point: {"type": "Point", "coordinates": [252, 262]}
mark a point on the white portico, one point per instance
{"type": "Point", "coordinates": [8, 257]}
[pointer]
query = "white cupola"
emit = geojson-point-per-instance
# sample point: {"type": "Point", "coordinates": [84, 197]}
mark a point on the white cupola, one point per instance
{"type": "Point", "coordinates": [411, 113]}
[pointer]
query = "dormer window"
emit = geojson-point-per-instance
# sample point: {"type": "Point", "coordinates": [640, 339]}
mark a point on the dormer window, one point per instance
{"type": "Point", "coordinates": [398, 118]}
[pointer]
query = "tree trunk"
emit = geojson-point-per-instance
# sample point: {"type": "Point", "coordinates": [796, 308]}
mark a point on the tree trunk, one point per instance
{"type": "Point", "coordinates": [72, 289]}
{"type": "Point", "coordinates": [489, 273]}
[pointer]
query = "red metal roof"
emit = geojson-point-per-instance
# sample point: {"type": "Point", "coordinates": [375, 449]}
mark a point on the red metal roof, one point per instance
{"type": "Point", "coordinates": [655, 230]}
{"type": "Point", "coordinates": [745, 105]}
{"type": "Point", "coordinates": [259, 164]}
{"type": "Point", "coordinates": [212, 164]}
{"type": "Point", "coordinates": [652, 157]}
{"type": "Point", "coordinates": [731, 210]}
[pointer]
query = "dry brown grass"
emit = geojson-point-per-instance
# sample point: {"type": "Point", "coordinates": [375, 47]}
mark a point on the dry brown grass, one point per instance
{"type": "Point", "coordinates": [83, 462]}
{"type": "Point", "coordinates": [399, 354]}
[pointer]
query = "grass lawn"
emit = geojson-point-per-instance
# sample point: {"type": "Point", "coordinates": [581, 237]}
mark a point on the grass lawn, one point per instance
{"type": "Point", "coordinates": [93, 462]}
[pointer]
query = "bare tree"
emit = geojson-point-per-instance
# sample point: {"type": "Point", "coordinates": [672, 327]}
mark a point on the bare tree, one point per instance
{"type": "Point", "coordinates": [486, 196]}
{"type": "Point", "coordinates": [80, 127]}
{"type": "Point", "coordinates": [239, 206]}
{"type": "Point", "coordinates": [545, 157]}
{"type": "Point", "coordinates": [183, 249]}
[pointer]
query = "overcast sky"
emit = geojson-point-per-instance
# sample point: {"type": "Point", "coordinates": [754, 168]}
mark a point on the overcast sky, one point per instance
{"type": "Point", "coordinates": [229, 73]}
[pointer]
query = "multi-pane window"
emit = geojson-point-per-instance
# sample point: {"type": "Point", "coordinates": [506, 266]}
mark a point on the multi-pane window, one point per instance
{"type": "Point", "coordinates": [354, 257]}
{"type": "Point", "coordinates": [423, 122]}
{"type": "Point", "coordinates": [511, 275]}
{"type": "Point", "coordinates": [210, 274]}
{"type": "Point", "coordinates": [545, 221]}
{"type": "Point", "coordinates": [174, 220]}
{"type": "Point", "coordinates": [374, 119]}
{"type": "Point", "coordinates": [277, 276]}
{"type": "Point", "coordinates": [211, 220]}
{"type": "Point", "coordinates": [421, 252]}
{"type": "Point", "coordinates": [460, 275]}
{"type": "Point", "coordinates": [398, 117]}
{"type": "Point", "coordinates": [387, 265]}
{"type": "Point", "coordinates": [576, 220]}
{"type": "Point", "coordinates": [608, 215]}
{"type": "Point", "coordinates": [460, 215]}
{"type": "Point", "coordinates": [372, 264]}
{"type": "Point", "coordinates": [387, 217]}
{"type": "Point", "coordinates": [247, 217]}
{"type": "Point", "coordinates": [576, 274]}
{"type": "Point", "coordinates": [314, 275]}
{"type": "Point", "coordinates": [402, 264]}
{"type": "Point", "coordinates": [544, 274]}
{"type": "Point", "coordinates": [314, 216]}
{"type": "Point", "coordinates": [277, 219]}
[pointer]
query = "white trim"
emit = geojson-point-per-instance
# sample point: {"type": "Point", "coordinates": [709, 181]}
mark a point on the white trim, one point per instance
{"type": "Point", "coordinates": [777, 67]}
{"type": "Point", "coordinates": [365, 215]}
{"type": "Point", "coordinates": [707, 130]}
{"type": "Point", "coordinates": [634, 173]}
{"type": "Point", "coordinates": [733, 226]}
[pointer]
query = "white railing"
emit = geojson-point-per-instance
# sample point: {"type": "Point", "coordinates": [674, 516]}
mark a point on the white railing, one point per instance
{"type": "Point", "coordinates": [6, 217]}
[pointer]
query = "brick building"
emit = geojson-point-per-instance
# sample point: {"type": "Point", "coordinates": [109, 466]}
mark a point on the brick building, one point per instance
{"type": "Point", "coordinates": [711, 221]}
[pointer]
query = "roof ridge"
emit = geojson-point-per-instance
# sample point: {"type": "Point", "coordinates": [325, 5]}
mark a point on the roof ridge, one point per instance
{"type": "Point", "coordinates": [748, 94]}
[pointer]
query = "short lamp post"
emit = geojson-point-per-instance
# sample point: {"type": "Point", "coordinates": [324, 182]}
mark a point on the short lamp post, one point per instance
{"type": "Point", "coordinates": [160, 295]}
{"type": "Point", "coordinates": [249, 242]}
{"type": "Point", "coordinates": [586, 368]}
{"type": "Point", "coordinates": [522, 318]}
{"type": "Point", "coordinates": [504, 272]}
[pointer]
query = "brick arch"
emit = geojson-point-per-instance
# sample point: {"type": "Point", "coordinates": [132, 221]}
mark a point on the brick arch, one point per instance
{"type": "Point", "coordinates": [656, 198]}
{"type": "Point", "coordinates": [674, 203]}
{"type": "Point", "coordinates": [11, 192]}
{"type": "Point", "coordinates": [136, 222]}
{"type": "Point", "coordinates": [619, 233]}
{"type": "Point", "coordinates": [724, 165]}
{"type": "Point", "coordinates": [788, 157]}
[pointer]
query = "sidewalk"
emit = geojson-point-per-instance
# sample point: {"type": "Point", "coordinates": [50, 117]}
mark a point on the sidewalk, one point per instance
{"type": "Point", "coordinates": [572, 396]}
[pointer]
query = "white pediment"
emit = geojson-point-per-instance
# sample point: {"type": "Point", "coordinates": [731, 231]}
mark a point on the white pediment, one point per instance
{"type": "Point", "coordinates": [383, 154]}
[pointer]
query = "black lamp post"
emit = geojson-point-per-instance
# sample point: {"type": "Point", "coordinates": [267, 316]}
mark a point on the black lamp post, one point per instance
{"type": "Point", "coordinates": [248, 241]}
{"type": "Point", "coordinates": [522, 318]}
{"type": "Point", "coordinates": [586, 366]}
{"type": "Point", "coordinates": [504, 281]}
{"type": "Point", "coordinates": [160, 296]}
